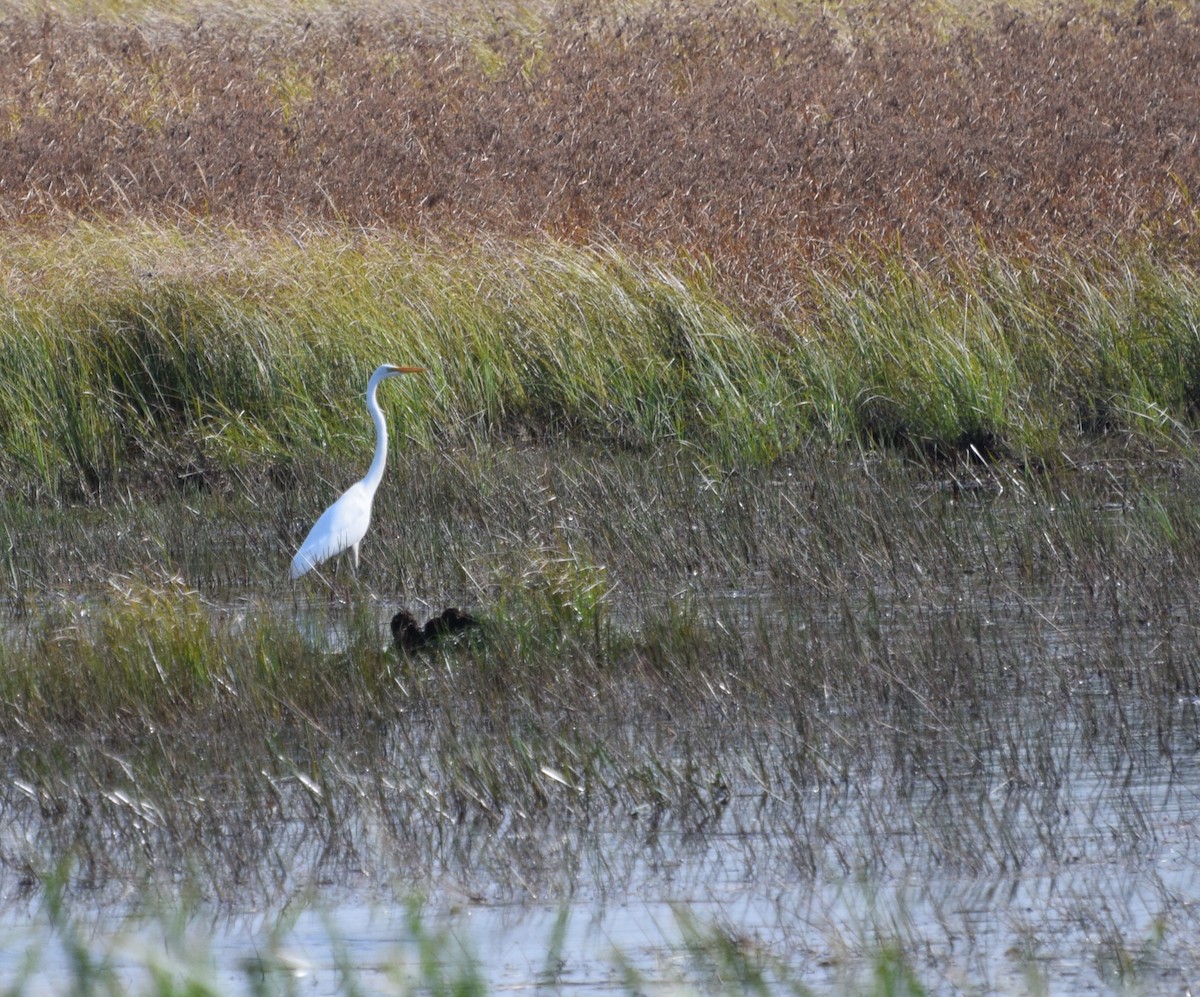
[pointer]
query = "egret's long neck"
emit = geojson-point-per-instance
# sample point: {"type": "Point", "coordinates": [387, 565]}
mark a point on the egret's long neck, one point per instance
{"type": "Point", "coordinates": [375, 471]}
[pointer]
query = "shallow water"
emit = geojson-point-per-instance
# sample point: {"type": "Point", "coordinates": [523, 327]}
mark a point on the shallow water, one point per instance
{"type": "Point", "coordinates": [1088, 884]}
{"type": "Point", "coordinates": [1035, 829]}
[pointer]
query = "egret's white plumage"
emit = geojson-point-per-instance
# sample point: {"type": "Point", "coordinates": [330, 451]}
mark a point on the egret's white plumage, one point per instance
{"type": "Point", "coordinates": [344, 524]}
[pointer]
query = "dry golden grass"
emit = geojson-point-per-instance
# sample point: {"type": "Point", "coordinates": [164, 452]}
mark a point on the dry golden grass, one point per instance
{"type": "Point", "coordinates": [747, 137]}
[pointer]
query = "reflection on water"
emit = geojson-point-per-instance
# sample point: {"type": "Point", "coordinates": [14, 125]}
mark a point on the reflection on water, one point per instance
{"type": "Point", "coordinates": [1086, 879]}
{"type": "Point", "coordinates": [1028, 817]}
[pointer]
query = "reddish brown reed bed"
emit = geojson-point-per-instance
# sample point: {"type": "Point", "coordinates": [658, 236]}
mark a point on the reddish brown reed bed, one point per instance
{"type": "Point", "coordinates": [756, 141]}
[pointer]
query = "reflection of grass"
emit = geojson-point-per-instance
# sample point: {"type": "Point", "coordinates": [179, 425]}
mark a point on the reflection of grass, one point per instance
{"type": "Point", "coordinates": [729, 609]}
{"type": "Point", "coordinates": [589, 566]}
{"type": "Point", "coordinates": [672, 649]}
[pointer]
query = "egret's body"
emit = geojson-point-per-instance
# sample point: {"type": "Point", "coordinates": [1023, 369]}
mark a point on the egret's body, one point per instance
{"type": "Point", "coordinates": [343, 525]}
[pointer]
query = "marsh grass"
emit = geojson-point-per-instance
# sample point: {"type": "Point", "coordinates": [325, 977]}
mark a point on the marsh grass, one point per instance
{"type": "Point", "coordinates": [753, 592]}
{"type": "Point", "coordinates": [756, 136]}
{"type": "Point", "coordinates": [153, 360]}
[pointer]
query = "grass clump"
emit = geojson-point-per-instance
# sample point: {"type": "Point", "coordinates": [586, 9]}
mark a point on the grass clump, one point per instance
{"type": "Point", "coordinates": [910, 360]}
{"type": "Point", "coordinates": [155, 655]}
{"type": "Point", "coordinates": [210, 373]}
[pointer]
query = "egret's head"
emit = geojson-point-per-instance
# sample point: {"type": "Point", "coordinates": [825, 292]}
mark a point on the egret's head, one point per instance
{"type": "Point", "coordinates": [383, 372]}
{"type": "Point", "coordinates": [386, 370]}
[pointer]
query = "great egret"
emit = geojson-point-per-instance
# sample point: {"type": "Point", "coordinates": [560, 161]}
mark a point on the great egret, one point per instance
{"type": "Point", "coordinates": [345, 523]}
{"type": "Point", "coordinates": [410, 637]}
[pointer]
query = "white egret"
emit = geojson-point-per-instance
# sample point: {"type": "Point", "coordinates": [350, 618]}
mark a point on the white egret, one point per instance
{"type": "Point", "coordinates": [344, 524]}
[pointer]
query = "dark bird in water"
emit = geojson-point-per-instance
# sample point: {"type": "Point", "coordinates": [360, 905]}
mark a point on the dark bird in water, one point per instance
{"type": "Point", "coordinates": [408, 636]}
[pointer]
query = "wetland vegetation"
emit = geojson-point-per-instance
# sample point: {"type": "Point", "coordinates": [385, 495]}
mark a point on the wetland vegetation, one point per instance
{"type": "Point", "coordinates": [813, 440]}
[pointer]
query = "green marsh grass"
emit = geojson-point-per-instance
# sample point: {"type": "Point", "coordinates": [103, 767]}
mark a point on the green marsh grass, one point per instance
{"type": "Point", "coordinates": [153, 357]}
{"type": "Point", "coordinates": [174, 955]}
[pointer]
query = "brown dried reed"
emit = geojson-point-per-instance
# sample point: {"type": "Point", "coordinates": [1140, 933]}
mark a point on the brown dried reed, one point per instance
{"type": "Point", "coordinates": [752, 140]}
